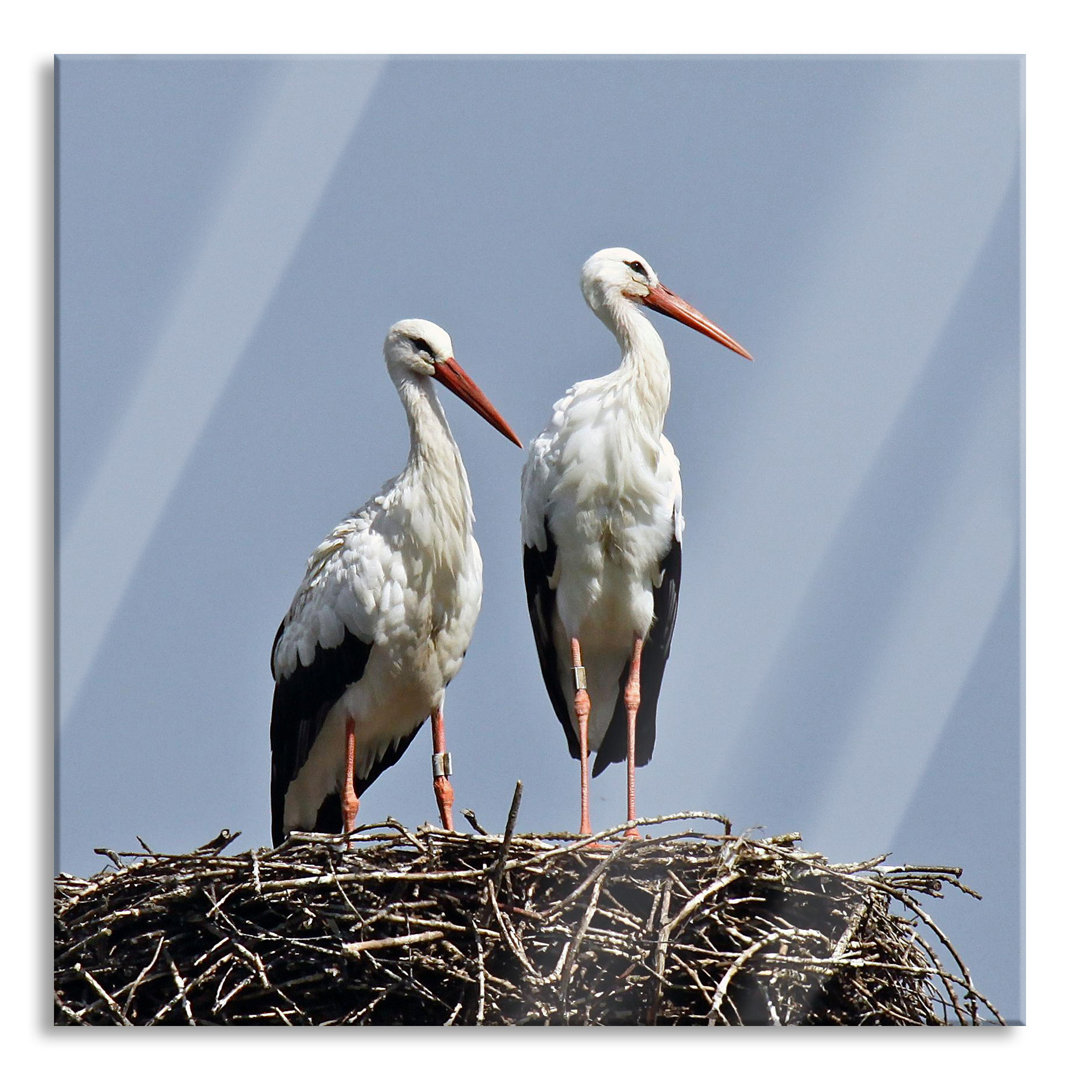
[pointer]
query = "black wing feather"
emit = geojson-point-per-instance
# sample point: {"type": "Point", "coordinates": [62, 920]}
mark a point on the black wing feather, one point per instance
{"type": "Point", "coordinates": [654, 655]}
{"type": "Point", "coordinates": [539, 566]}
{"type": "Point", "coordinates": [301, 703]}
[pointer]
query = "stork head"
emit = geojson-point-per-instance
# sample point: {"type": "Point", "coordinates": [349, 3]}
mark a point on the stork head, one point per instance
{"type": "Point", "coordinates": [615, 275]}
{"type": "Point", "coordinates": [424, 349]}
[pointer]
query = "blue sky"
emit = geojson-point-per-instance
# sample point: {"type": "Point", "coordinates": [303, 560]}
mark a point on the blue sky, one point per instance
{"type": "Point", "coordinates": [235, 237]}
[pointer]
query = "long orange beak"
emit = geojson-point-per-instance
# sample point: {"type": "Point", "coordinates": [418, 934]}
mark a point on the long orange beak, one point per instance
{"type": "Point", "coordinates": [451, 374]}
{"type": "Point", "coordinates": [661, 298]}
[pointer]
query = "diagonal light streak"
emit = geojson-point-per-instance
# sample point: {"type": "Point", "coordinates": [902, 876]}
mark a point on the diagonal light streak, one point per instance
{"type": "Point", "coordinates": [880, 322]}
{"type": "Point", "coordinates": [273, 194]}
{"type": "Point", "coordinates": [933, 638]}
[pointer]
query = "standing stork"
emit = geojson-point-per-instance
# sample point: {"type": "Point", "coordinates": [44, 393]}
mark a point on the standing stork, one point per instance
{"type": "Point", "coordinates": [384, 615]}
{"type": "Point", "coordinates": [602, 522]}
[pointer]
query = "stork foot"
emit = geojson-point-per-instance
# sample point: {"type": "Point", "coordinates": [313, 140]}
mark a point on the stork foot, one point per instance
{"type": "Point", "coordinates": [441, 770]}
{"type": "Point", "coordinates": [632, 701]}
{"type": "Point", "coordinates": [582, 708]}
{"type": "Point", "coordinates": [444, 796]}
{"type": "Point", "coordinates": [350, 804]}
{"type": "Point", "coordinates": [350, 807]}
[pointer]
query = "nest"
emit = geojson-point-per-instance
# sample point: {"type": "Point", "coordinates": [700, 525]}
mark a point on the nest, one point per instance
{"type": "Point", "coordinates": [435, 927]}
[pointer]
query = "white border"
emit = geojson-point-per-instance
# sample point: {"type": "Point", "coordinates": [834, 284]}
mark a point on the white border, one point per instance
{"type": "Point", "coordinates": [199, 26]}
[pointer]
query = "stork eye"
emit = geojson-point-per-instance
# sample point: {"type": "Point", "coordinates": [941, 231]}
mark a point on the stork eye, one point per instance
{"type": "Point", "coordinates": [422, 345]}
{"type": "Point", "coordinates": [637, 267]}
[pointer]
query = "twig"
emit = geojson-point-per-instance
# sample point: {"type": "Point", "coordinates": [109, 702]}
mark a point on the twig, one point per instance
{"type": "Point", "coordinates": [103, 994]}
{"type": "Point", "coordinates": [353, 948]}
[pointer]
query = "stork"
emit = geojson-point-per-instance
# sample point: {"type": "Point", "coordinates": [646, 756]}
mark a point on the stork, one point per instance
{"type": "Point", "coordinates": [385, 612]}
{"type": "Point", "coordinates": [602, 524]}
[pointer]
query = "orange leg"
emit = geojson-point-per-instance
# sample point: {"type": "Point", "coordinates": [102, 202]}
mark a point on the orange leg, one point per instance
{"type": "Point", "coordinates": [440, 768]}
{"type": "Point", "coordinates": [350, 804]}
{"type": "Point", "coordinates": [632, 698]}
{"type": "Point", "coordinates": [582, 705]}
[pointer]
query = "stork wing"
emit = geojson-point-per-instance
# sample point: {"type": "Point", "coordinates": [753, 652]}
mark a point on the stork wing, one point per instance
{"type": "Point", "coordinates": [301, 701]}
{"type": "Point", "coordinates": [654, 654]}
{"type": "Point", "coordinates": [539, 566]}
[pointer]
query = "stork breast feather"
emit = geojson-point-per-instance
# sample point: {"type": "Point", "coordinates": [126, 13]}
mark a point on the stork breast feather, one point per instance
{"type": "Point", "coordinates": [392, 597]}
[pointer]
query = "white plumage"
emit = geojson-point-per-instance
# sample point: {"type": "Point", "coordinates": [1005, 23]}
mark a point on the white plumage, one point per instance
{"type": "Point", "coordinates": [386, 610]}
{"type": "Point", "coordinates": [602, 527]}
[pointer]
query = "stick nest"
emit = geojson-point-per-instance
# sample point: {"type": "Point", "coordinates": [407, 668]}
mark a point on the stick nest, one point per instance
{"type": "Point", "coordinates": [434, 927]}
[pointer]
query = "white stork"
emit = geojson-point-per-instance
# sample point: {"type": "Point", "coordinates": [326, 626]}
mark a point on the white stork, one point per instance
{"type": "Point", "coordinates": [384, 615]}
{"type": "Point", "coordinates": [602, 522]}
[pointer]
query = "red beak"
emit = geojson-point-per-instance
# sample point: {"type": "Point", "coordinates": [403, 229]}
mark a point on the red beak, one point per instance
{"type": "Point", "coordinates": [662, 299]}
{"type": "Point", "coordinates": [450, 373]}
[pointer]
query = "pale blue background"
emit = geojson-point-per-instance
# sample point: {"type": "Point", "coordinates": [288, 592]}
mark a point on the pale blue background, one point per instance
{"type": "Point", "coordinates": [236, 235]}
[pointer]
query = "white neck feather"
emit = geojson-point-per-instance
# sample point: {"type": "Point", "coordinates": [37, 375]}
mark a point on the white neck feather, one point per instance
{"type": "Point", "coordinates": [434, 465]}
{"type": "Point", "coordinates": [644, 368]}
